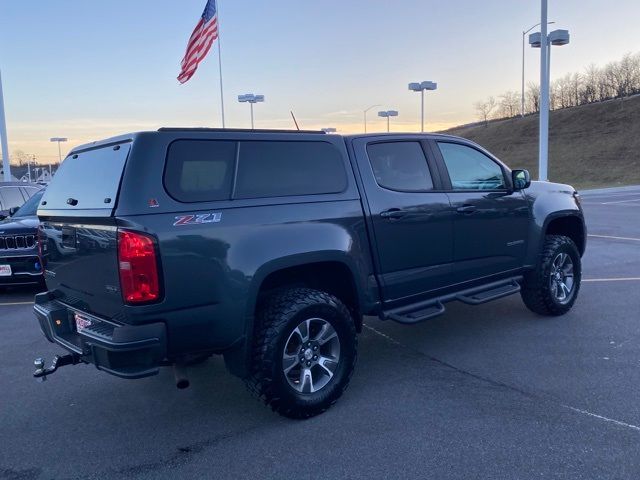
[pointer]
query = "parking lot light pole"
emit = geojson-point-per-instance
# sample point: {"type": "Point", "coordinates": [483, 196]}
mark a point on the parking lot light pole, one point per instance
{"type": "Point", "coordinates": [3, 138]}
{"type": "Point", "coordinates": [58, 140]}
{"type": "Point", "coordinates": [388, 114]}
{"type": "Point", "coordinates": [421, 87]}
{"type": "Point", "coordinates": [544, 41]}
{"type": "Point", "coordinates": [365, 115]}
{"type": "Point", "coordinates": [250, 98]}
{"type": "Point", "coordinates": [524, 34]}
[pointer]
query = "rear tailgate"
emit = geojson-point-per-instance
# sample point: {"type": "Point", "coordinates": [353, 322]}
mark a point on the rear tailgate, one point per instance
{"type": "Point", "coordinates": [78, 230]}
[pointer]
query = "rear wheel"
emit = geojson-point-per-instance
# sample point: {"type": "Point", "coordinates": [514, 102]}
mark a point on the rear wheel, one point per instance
{"type": "Point", "coordinates": [552, 288]}
{"type": "Point", "coordinates": [304, 352]}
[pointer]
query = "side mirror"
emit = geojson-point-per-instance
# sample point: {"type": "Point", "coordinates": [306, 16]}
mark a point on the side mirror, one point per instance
{"type": "Point", "coordinates": [521, 179]}
{"type": "Point", "coordinates": [13, 211]}
{"type": "Point", "coordinates": [4, 214]}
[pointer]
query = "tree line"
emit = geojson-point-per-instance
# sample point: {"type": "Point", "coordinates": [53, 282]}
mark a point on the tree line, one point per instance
{"type": "Point", "coordinates": [617, 79]}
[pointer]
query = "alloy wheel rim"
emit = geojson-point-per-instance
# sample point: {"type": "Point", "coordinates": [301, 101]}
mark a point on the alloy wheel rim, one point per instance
{"type": "Point", "coordinates": [561, 278]}
{"type": "Point", "coordinates": [311, 355]}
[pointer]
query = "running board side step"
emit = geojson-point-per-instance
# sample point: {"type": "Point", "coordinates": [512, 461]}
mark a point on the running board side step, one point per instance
{"type": "Point", "coordinates": [415, 313]}
{"type": "Point", "coordinates": [428, 309]}
{"type": "Point", "coordinates": [484, 294]}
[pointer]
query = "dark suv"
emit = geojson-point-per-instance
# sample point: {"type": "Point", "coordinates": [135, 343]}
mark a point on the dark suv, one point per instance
{"type": "Point", "coordinates": [19, 259]}
{"type": "Point", "coordinates": [270, 247]}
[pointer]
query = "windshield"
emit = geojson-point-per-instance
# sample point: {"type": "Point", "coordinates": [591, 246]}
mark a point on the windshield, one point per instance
{"type": "Point", "coordinates": [30, 207]}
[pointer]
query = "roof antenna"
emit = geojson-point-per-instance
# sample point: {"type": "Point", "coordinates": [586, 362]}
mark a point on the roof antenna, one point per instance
{"type": "Point", "coordinates": [294, 119]}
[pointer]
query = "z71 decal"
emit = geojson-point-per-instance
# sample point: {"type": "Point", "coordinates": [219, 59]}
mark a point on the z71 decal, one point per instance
{"type": "Point", "coordinates": [198, 219]}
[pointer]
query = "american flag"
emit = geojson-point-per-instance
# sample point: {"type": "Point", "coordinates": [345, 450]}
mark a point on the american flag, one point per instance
{"type": "Point", "coordinates": [202, 38]}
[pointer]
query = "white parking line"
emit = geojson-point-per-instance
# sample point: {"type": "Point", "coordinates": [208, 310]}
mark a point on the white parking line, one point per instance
{"type": "Point", "coordinates": [623, 279]}
{"type": "Point", "coordinates": [615, 238]}
{"type": "Point", "coordinates": [630, 193]}
{"type": "Point", "coordinates": [621, 201]}
{"type": "Point", "coordinates": [600, 417]}
{"type": "Point", "coordinates": [15, 303]}
{"type": "Point", "coordinates": [530, 394]}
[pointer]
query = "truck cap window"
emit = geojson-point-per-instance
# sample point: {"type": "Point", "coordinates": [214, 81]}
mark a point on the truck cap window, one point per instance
{"type": "Point", "coordinates": [200, 170]}
{"type": "Point", "coordinates": [400, 166]}
{"type": "Point", "coordinates": [470, 169]}
{"type": "Point", "coordinates": [278, 169]}
{"type": "Point", "coordinates": [85, 179]}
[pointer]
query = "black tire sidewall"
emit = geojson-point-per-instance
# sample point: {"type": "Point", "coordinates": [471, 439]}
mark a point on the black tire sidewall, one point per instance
{"type": "Point", "coordinates": [536, 292]}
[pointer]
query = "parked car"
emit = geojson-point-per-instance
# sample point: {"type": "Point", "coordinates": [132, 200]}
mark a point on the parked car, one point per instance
{"type": "Point", "coordinates": [14, 194]}
{"type": "Point", "coordinates": [19, 261]}
{"type": "Point", "coordinates": [270, 247]}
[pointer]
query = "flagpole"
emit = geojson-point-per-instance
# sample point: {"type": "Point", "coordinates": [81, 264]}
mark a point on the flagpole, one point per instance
{"type": "Point", "coordinates": [220, 64]}
{"type": "Point", "coordinates": [3, 138]}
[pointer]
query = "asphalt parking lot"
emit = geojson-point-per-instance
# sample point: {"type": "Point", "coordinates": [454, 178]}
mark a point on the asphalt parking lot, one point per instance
{"type": "Point", "coordinates": [486, 392]}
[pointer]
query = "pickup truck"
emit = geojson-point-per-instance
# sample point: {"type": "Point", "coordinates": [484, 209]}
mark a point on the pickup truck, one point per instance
{"type": "Point", "coordinates": [269, 247]}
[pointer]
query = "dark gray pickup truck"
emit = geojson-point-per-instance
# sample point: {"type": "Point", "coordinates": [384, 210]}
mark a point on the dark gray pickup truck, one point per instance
{"type": "Point", "coordinates": [269, 247]}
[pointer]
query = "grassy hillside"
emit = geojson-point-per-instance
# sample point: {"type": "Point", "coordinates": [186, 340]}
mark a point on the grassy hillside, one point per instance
{"type": "Point", "coordinates": [589, 146]}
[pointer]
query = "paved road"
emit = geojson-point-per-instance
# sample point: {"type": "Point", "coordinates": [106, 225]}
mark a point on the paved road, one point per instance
{"type": "Point", "coordinates": [486, 392]}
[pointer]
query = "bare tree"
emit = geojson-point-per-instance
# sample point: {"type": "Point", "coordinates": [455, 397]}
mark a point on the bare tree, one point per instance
{"type": "Point", "coordinates": [614, 80]}
{"type": "Point", "coordinates": [533, 98]}
{"type": "Point", "coordinates": [20, 158]}
{"type": "Point", "coordinates": [509, 104]}
{"type": "Point", "coordinates": [590, 80]}
{"type": "Point", "coordinates": [485, 108]}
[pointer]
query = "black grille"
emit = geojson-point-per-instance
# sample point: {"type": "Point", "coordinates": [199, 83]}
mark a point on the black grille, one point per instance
{"type": "Point", "coordinates": [17, 241]}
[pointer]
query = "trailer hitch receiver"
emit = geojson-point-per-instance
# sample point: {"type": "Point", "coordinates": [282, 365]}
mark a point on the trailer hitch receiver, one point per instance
{"type": "Point", "coordinates": [58, 361]}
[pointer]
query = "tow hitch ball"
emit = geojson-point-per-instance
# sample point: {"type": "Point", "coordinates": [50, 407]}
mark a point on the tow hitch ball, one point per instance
{"type": "Point", "coordinates": [58, 361]}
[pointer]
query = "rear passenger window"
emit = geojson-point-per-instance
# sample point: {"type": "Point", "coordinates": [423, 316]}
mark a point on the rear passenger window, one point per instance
{"type": "Point", "coordinates": [280, 169]}
{"type": "Point", "coordinates": [400, 166]}
{"type": "Point", "coordinates": [200, 170]}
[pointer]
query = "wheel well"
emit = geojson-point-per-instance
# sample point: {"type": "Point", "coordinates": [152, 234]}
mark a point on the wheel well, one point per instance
{"type": "Point", "coordinates": [568, 226]}
{"type": "Point", "coordinates": [331, 277]}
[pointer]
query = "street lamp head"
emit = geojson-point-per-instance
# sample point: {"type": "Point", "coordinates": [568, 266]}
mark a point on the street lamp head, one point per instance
{"type": "Point", "coordinates": [250, 98]}
{"type": "Point", "coordinates": [383, 114]}
{"type": "Point", "coordinates": [559, 37]}
{"type": "Point", "coordinates": [329, 130]}
{"type": "Point", "coordinates": [392, 113]}
{"type": "Point", "coordinates": [58, 139]}
{"type": "Point", "coordinates": [428, 85]}
{"type": "Point", "coordinates": [419, 86]}
{"type": "Point", "coordinates": [535, 39]}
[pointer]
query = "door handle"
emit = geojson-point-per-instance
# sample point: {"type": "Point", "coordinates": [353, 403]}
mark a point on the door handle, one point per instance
{"type": "Point", "coordinates": [393, 213]}
{"type": "Point", "coordinates": [467, 209]}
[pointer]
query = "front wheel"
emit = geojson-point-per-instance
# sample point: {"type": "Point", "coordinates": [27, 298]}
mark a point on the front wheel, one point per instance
{"type": "Point", "coordinates": [304, 352]}
{"type": "Point", "coordinates": [552, 288]}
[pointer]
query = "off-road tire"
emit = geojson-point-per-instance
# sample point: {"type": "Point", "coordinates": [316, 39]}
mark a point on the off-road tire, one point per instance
{"type": "Point", "coordinates": [277, 317]}
{"type": "Point", "coordinates": [536, 290]}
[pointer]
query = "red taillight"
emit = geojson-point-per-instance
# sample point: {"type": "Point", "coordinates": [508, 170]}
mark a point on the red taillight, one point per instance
{"type": "Point", "coordinates": [138, 267]}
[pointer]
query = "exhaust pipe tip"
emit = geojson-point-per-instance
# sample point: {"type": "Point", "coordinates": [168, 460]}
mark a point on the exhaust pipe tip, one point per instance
{"type": "Point", "coordinates": [180, 374]}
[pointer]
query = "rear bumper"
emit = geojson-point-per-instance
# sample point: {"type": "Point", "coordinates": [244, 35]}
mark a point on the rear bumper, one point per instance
{"type": "Point", "coordinates": [123, 350]}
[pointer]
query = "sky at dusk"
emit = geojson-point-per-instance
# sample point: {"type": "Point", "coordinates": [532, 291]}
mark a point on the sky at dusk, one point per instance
{"type": "Point", "coordinates": [88, 69]}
